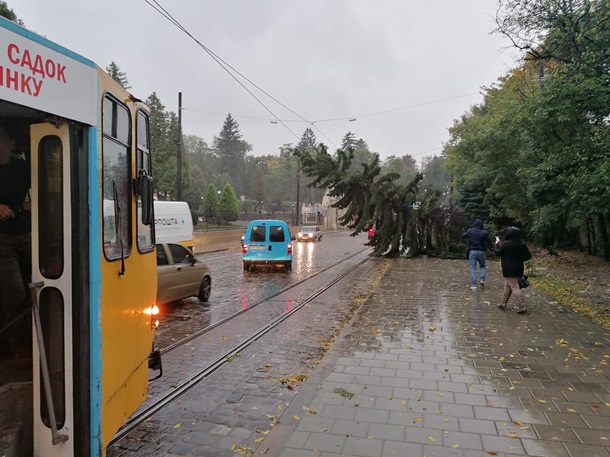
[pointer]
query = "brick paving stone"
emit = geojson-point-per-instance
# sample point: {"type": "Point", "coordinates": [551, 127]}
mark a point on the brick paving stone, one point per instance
{"type": "Point", "coordinates": [352, 428]}
{"type": "Point", "coordinates": [325, 442]}
{"type": "Point", "coordinates": [584, 450]}
{"type": "Point", "coordinates": [540, 448]}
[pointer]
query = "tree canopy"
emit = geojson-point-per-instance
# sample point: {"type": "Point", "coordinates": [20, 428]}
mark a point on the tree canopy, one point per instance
{"type": "Point", "coordinates": [535, 153]}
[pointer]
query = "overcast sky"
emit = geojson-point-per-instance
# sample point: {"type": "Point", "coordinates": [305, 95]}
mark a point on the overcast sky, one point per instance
{"type": "Point", "coordinates": [420, 62]}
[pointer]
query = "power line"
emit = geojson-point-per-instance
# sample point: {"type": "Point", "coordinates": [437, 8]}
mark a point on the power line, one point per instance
{"type": "Point", "coordinates": [346, 118]}
{"type": "Point", "coordinates": [375, 113]}
{"type": "Point", "coordinates": [219, 61]}
{"type": "Point", "coordinates": [224, 66]}
{"type": "Point", "coordinates": [244, 116]}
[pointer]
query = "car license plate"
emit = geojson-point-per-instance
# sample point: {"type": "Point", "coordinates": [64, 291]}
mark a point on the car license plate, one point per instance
{"type": "Point", "coordinates": [257, 248]}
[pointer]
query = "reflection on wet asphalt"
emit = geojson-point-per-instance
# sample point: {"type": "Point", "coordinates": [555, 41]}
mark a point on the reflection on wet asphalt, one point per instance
{"type": "Point", "coordinates": [234, 290]}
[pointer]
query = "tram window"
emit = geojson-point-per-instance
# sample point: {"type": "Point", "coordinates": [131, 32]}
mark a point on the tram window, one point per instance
{"type": "Point", "coordinates": [142, 131]}
{"type": "Point", "coordinates": [116, 179]}
{"type": "Point", "coordinates": [143, 164]}
{"type": "Point", "coordinates": [50, 196]}
{"type": "Point", "coordinates": [52, 324]}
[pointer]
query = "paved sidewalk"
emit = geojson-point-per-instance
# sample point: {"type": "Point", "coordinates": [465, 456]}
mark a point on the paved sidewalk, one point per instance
{"type": "Point", "coordinates": [430, 368]}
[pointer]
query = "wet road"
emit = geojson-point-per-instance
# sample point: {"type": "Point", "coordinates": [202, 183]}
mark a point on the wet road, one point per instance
{"type": "Point", "coordinates": [245, 394]}
{"type": "Point", "coordinates": [234, 290]}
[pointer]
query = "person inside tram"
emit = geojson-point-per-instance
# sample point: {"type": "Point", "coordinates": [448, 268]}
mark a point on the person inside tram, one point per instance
{"type": "Point", "coordinates": [15, 246]}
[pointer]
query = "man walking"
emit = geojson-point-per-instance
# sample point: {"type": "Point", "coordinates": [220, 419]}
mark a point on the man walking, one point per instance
{"type": "Point", "coordinates": [478, 240]}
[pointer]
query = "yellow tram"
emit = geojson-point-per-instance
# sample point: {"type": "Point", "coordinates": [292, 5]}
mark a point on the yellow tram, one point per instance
{"type": "Point", "coordinates": [91, 294]}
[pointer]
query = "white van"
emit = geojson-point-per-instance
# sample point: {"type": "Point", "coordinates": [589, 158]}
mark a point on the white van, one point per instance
{"type": "Point", "coordinates": [173, 223]}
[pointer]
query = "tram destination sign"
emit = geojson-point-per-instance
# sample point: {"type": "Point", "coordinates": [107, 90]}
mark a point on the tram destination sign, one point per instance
{"type": "Point", "coordinates": [39, 74]}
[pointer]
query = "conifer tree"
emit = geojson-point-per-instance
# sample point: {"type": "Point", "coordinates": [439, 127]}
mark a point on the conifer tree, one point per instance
{"type": "Point", "coordinates": [228, 208]}
{"type": "Point", "coordinates": [210, 203]}
{"type": "Point", "coordinates": [118, 75]}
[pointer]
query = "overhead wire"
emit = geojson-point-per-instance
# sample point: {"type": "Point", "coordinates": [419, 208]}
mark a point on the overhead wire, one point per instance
{"type": "Point", "coordinates": [350, 118]}
{"type": "Point", "coordinates": [223, 64]}
{"type": "Point", "coordinates": [375, 113]}
{"type": "Point", "coordinates": [219, 61]}
{"type": "Point", "coordinates": [161, 10]}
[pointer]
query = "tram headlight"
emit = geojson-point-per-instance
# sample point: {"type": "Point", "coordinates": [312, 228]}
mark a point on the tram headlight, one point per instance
{"type": "Point", "coordinates": [152, 310]}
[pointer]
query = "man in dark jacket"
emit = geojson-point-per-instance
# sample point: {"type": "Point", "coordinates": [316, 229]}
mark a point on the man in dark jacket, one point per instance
{"type": "Point", "coordinates": [478, 241]}
{"type": "Point", "coordinates": [513, 253]}
{"type": "Point", "coordinates": [15, 241]}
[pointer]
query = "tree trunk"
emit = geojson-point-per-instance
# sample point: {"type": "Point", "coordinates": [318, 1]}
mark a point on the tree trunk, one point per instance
{"type": "Point", "coordinates": [590, 237]}
{"type": "Point", "coordinates": [603, 234]}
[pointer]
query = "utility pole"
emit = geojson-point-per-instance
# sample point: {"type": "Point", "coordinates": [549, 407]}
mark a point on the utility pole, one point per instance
{"type": "Point", "coordinates": [298, 220]}
{"type": "Point", "coordinates": [179, 151]}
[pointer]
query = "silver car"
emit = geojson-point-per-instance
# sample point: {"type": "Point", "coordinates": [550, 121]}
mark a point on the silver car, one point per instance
{"type": "Point", "coordinates": [310, 233]}
{"type": "Point", "coordinates": [180, 274]}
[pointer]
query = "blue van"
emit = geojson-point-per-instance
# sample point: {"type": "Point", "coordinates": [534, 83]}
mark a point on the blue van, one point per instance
{"type": "Point", "coordinates": [267, 242]}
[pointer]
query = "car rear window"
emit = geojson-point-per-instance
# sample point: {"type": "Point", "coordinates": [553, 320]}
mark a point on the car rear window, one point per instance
{"type": "Point", "coordinates": [257, 234]}
{"type": "Point", "coordinates": [276, 234]}
{"type": "Point", "coordinates": [179, 253]}
{"type": "Point", "coordinates": [161, 256]}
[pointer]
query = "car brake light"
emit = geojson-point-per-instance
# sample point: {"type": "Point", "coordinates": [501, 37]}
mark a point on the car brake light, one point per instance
{"type": "Point", "coordinates": [290, 248]}
{"type": "Point", "coordinates": [244, 248]}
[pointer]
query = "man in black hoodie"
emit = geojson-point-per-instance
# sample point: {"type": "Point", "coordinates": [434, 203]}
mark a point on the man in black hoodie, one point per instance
{"type": "Point", "coordinates": [478, 241]}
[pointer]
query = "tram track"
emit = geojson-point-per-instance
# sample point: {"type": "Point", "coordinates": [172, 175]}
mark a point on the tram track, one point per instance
{"type": "Point", "coordinates": [263, 300]}
{"type": "Point", "coordinates": [187, 384]}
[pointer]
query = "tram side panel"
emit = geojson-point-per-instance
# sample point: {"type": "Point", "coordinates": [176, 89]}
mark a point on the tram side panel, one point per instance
{"type": "Point", "coordinates": [128, 275]}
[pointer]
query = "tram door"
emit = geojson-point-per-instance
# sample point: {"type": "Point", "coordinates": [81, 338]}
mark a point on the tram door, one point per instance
{"type": "Point", "coordinates": [53, 390]}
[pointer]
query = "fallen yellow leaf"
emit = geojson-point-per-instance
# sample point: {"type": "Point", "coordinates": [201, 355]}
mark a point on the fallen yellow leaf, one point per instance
{"type": "Point", "coordinates": [432, 439]}
{"type": "Point", "coordinates": [432, 328]}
